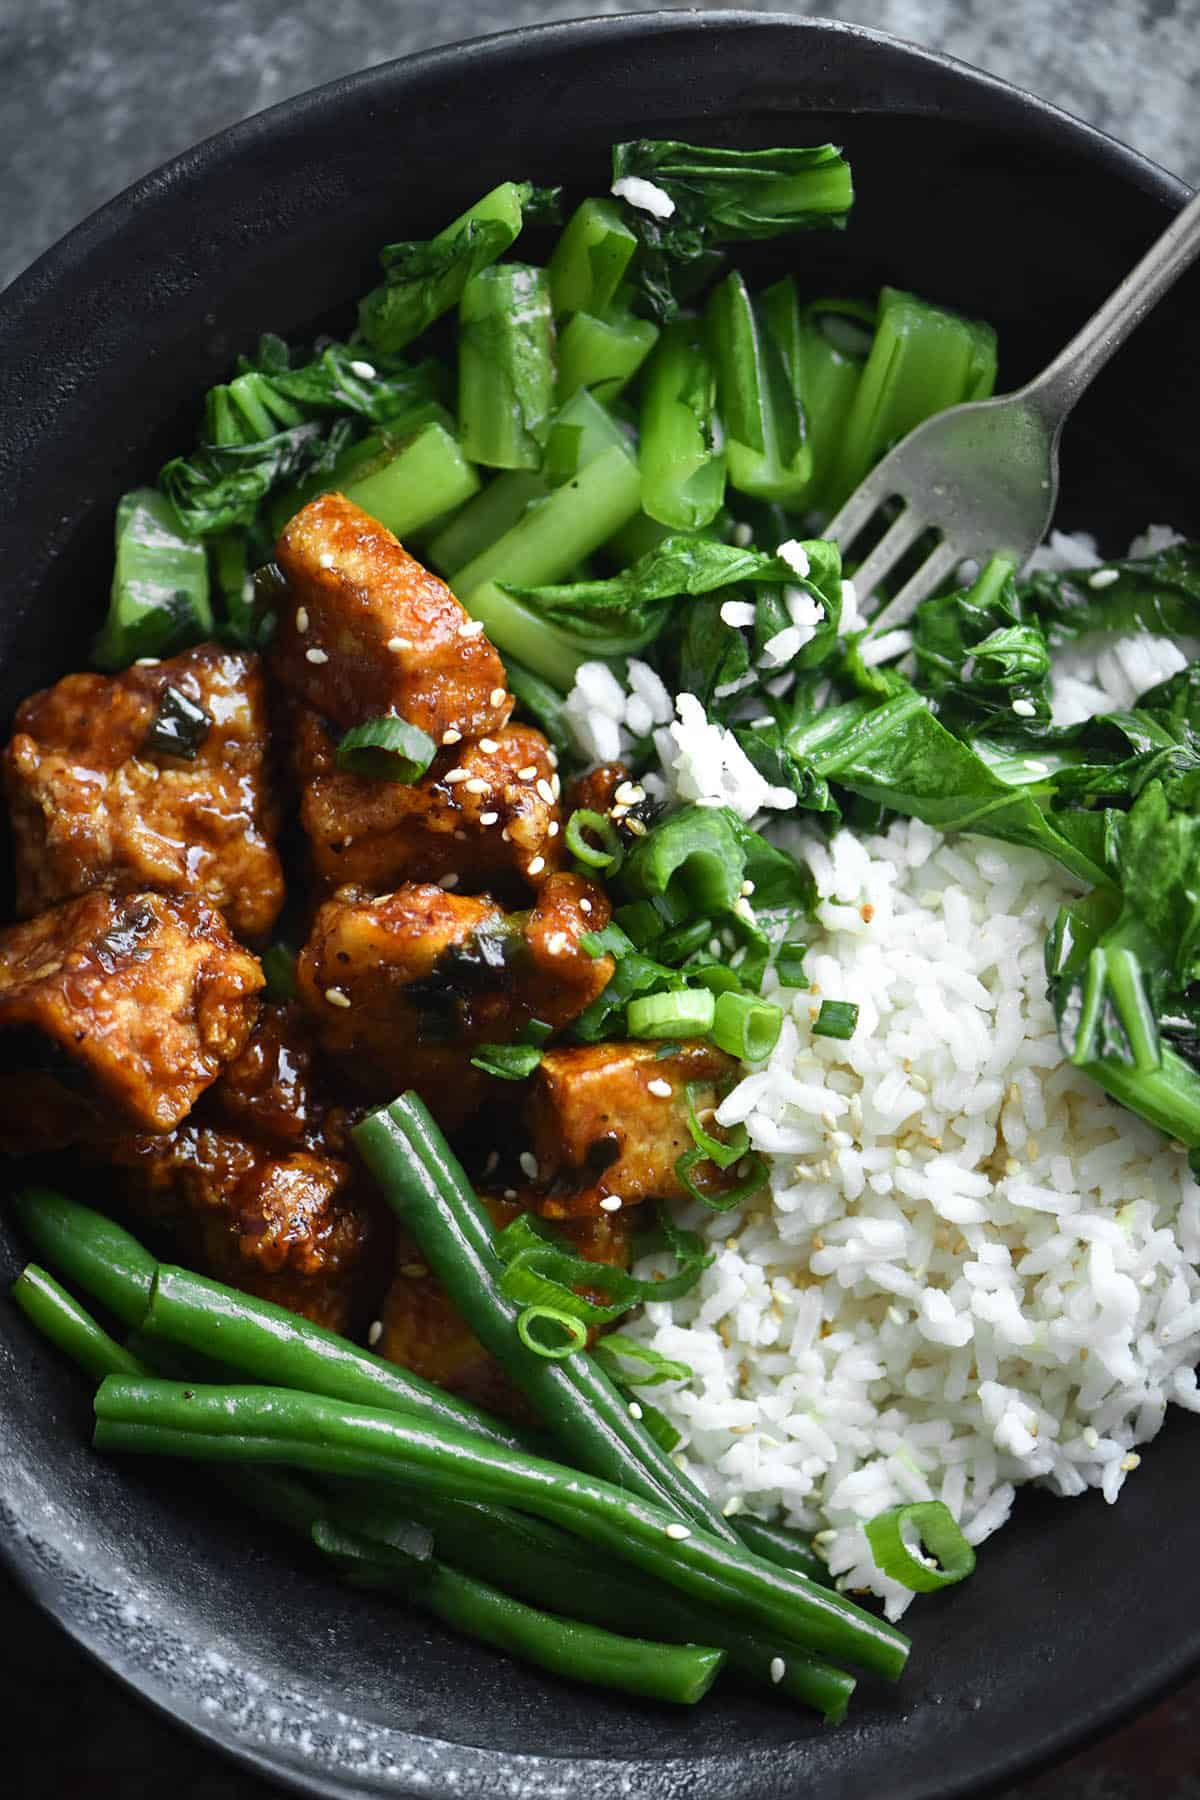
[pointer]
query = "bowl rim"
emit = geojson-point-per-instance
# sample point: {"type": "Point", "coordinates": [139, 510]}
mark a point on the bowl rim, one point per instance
{"type": "Point", "coordinates": [32, 1561]}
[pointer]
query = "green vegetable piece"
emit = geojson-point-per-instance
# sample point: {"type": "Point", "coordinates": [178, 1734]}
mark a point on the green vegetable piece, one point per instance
{"type": "Point", "coordinates": [493, 511]}
{"type": "Point", "coordinates": [61, 1319]}
{"type": "Point", "coordinates": [836, 1019]}
{"type": "Point", "coordinates": [160, 599]}
{"type": "Point", "coordinates": [508, 1062]}
{"type": "Point", "coordinates": [580, 431]}
{"type": "Point", "coordinates": [544, 704]}
{"type": "Point", "coordinates": [937, 1529]}
{"type": "Point", "coordinates": [386, 749]}
{"type": "Point", "coordinates": [608, 854]}
{"type": "Point", "coordinates": [650, 1368]}
{"type": "Point", "coordinates": [683, 468]}
{"type": "Point", "coordinates": [590, 258]}
{"type": "Point", "coordinates": [544, 545]}
{"type": "Point", "coordinates": [1158, 593]}
{"type": "Point", "coordinates": [789, 963]}
{"type": "Point", "coordinates": [90, 1251]}
{"type": "Point", "coordinates": [548, 1331]}
{"type": "Point", "coordinates": [602, 355]}
{"type": "Point", "coordinates": [506, 366]}
{"type": "Point", "coordinates": [686, 1014]}
{"type": "Point", "coordinates": [279, 967]}
{"type": "Point", "coordinates": [178, 728]}
{"type": "Point", "coordinates": [923, 359]}
{"type": "Point", "coordinates": [540, 1269]}
{"type": "Point", "coordinates": [765, 445]}
{"type": "Point", "coordinates": [824, 348]}
{"type": "Point", "coordinates": [424, 279]}
{"type": "Point", "coordinates": [426, 477]}
{"type": "Point", "coordinates": [745, 1027]}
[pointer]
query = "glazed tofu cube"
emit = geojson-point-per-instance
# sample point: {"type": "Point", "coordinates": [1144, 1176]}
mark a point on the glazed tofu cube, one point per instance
{"type": "Point", "coordinates": [487, 812]}
{"type": "Point", "coordinates": [116, 1013]}
{"type": "Point", "coordinates": [154, 778]}
{"type": "Point", "coordinates": [364, 630]}
{"type": "Point", "coordinates": [268, 1092]}
{"type": "Point", "coordinates": [611, 1120]}
{"type": "Point", "coordinates": [288, 1226]}
{"type": "Point", "coordinates": [402, 988]}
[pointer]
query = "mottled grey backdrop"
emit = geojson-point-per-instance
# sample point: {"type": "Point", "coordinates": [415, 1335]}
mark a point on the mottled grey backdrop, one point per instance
{"type": "Point", "coordinates": [95, 92]}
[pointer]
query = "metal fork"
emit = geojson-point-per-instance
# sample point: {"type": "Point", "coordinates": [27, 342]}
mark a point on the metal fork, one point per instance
{"type": "Point", "coordinates": [985, 475]}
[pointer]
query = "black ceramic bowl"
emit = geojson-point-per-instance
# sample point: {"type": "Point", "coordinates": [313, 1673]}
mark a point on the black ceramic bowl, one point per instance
{"type": "Point", "coordinates": [971, 193]}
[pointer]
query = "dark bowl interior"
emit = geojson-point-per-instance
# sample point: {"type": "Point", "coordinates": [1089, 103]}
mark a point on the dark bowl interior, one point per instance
{"type": "Point", "coordinates": [970, 193]}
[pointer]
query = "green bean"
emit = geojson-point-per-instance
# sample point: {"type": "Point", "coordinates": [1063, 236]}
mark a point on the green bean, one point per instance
{"type": "Point", "coordinates": [780, 1545]}
{"type": "Point", "coordinates": [89, 1250]}
{"type": "Point", "coordinates": [325, 1437]}
{"type": "Point", "coordinates": [268, 1343]}
{"type": "Point", "coordinates": [424, 1184]}
{"type": "Point", "coordinates": [60, 1318]}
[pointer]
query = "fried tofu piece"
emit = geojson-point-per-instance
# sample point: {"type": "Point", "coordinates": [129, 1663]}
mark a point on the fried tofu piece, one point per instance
{"type": "Point", "coordinates": [97, 804]}
{"type": "Point", "coordinates": [601, 1124]}
{"type": "Point", "coordinates": [116, 1013]}
{"type": "Point", "coordinates": [378, 834]}
{"type": "Point", "coordinates": [268, 1092]}
{"type": "Point", "coordinates": [287, 1225]}
{"type": "Point", "coordinates": [595, 790]}
{"type": "Point", "coordinates": [365, 630]}
{"type": "Point", "coordinates": [423, 1332]}
{"type": "Point", "coordinates": [403, 987]}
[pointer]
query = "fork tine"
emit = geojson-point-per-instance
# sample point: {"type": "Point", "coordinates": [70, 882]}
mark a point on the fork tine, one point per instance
{"type": "Point", "coordinates": [925, 581]}
{"type": "Point", "coordinates": [862, 505]}
{"type": "Point", "coordinates": [900, 536]}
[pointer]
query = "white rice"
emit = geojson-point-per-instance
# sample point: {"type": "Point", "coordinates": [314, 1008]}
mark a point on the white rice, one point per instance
{"type": "Point", "coordinates": [972, 1269]}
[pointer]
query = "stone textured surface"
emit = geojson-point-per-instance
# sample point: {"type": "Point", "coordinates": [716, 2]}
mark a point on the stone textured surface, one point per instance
{"type": "Point", "coordinates": [93, 95]}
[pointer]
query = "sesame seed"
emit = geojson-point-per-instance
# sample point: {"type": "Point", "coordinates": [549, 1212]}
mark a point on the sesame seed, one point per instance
{"type": "Point", "coordinates": [679, 1532]}
{"type": "Point", "coordinates": [316, 656]}
{"type": "Point", "coordinates": [450, 736]}
{"type": "Point", "coordinates": [536, 866]}
{"type": "Point", "coordinates": [747, 888]}
{"type": "Point", "coordinates": [585, 906]}
{"type": "Point", "coordinates": [778, 1669]}
{"type": "Point", "coordinates": [470, 628]}
{"type": "Point", "coordinates": [552, 828]}
{"type": "Point", "coordinates": [636, 827]}
{"type": "Point", "coordinates": [557, 943]}
{"type": "Point", "coordinates": [488, 818]}
{"type": "Point", "coordinates": [376, 1332]}
{"type": "Point", "coordinates": [489, 746]}
{"type": "Point", "coordinates": [743, 909]}
{"type": "Point", "coordinates": [460, 837]}
{"type": "Point", "coordinates": [659, 1088]}
{"type": "Point", "coordinates": [529, 1164]}
{"type": "Point", "coordinates": [1132, 1461]}
{"type": "Point", "coordinates": [147, 662]}
{"type": "Point", "coordinates": [617, 812]}
{"type": "Point", "coordinates": [545, 791]}
{"type": "Point", "coordinates": [510, 1193]}
{"type": "Point", "coordinates": [528, 773]}
{"type": "Point", "coordinates": [1024, 709]}
{"type": "Point", "coordinates": [629, 793]}
{"type": "Point", "coordinates": [364, 370]}
{"type": "Point", "coordinates": [459, 774]}
{"type": "Point", "coordinates": [399, 643]}
{"type": "Point", "coordinates": [611, 1203]}
{"type": "Point", "coordinates": [635, 1411]}
{"type": "Point", "coordinates": [448, 881]}
{"type": "Point", "coordinates": [336, 997]}
{"type": "Point", "coordinates": [302, 619]}
{"type": "Point", "coordinates": [1104, 578]}
{"type": "Point", "coordinates": [325, 560]}
{"type": "Point", "coordinates": [414, 1271]}
{"type": "Point", "coordinates": [733, 1505]}
{"type": "Point", "coordinates": [492, 1163]}
{"type": "Point", "coordinates": [498, 696]}
{"type": "Point", "coordinates": [505, 835]}
{"type": "Point", "coordinates": [555, 783]}
{"type": "Point", "coordinates": [824, 1537]}
{"type": "Point", "coordinates": [477, 785]}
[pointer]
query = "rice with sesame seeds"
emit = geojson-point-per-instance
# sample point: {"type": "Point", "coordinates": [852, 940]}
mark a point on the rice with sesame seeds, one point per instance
{"type": "Point", "coordinates": [971, 1269]}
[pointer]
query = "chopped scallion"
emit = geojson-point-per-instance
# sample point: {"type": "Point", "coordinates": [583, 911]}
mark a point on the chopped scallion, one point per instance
{"type": "Point", "coordinates": [387, 749]}
{"type": "Point", "coordinates": [686, 1014]}
{"type": "Point", "coordinates": [535, 1321]}
{"type": "Point", "coordinates": [936, 1530]}
{"type": "Point", "coordinates": [508, 1062]}
{"type": "Point", "coordinates": [606, 856]}
{"type": "Point", "coordinates": [746, 1027]}
{"type": "Point", "coordinates": [836, 1019]}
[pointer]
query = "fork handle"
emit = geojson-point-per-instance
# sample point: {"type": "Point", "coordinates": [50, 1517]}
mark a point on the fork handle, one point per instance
{"type": "Point", "coordinates": [1055, 391]}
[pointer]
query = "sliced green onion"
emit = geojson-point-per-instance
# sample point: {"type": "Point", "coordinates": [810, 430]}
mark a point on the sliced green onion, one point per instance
{"type": "Point", "coordinates": [510, 1062]}
{"type": "Point", "coordinates": [937, 1531]}
{"type": "Point", "coordinates": [836, 1019]}
{"type": "Point", "coordinates": [387, 749]}
{"type": "Point", "coordinates": [676, 946]}
{"type": "Point", "coordinates": [541, 1316]}
{"type": "Point", "coordinates": [724, 1152]}
{"type": "Point", "coordinates": [537, 1032]}
{"type": "Point", "coordinates": [659, 1427]}
{"type": "Point", "coordinates": [609, 856]}
{"type": "Point", "coordinates": [618, 1349]}
{"type": "Point", "coordinates": [279, 967]}
{"type": "Point", "coordinates": [640, 920]}
{"type": "Point", "coordinates": [179, 727]}
{"type": "Point", "coordinates": [746, 1027]}
{"type": "Point", "coordinates": [752, 1176]}
{"type": "Point", "coordinates": [789, 964]}
{"type": "Point", "coordinates": [611, 941]}
{"type": "Point", "coordinates": [718, 978]}
{"type": "Point", "coordinates": [688, 1013]}
{"type": "Point", "coordinates": [540, 1271]}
